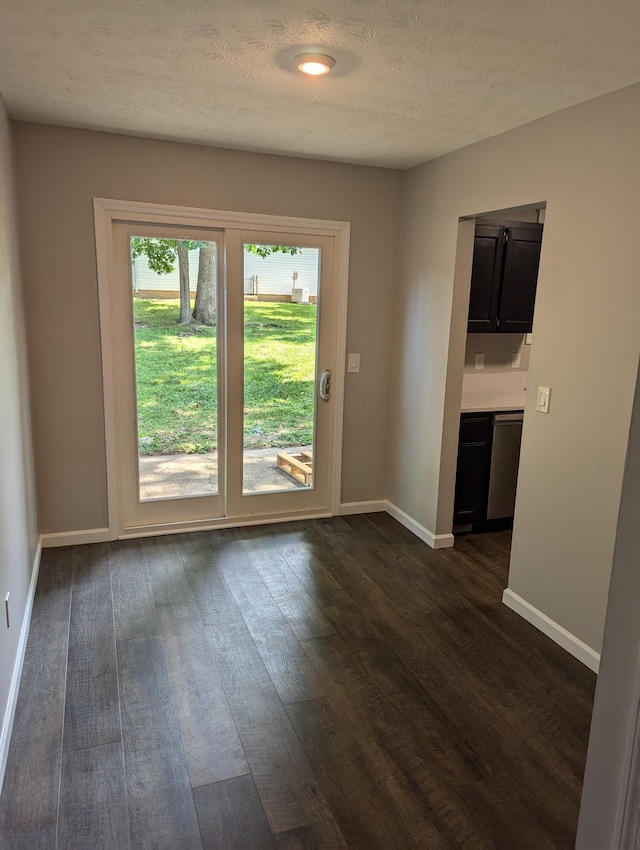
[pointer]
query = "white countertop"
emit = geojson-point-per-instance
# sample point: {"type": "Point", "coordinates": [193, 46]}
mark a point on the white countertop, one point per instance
{"type": "Point", "coordinates": [493, 391]}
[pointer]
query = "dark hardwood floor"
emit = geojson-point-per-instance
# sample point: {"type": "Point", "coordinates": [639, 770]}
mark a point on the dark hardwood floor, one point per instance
{"type": "Point", "coordinates": [323, 684]}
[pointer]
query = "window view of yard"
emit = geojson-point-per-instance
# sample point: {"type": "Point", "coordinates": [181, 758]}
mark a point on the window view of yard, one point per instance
{"type": "Point", "coordinates": [175, 306]}
{"type": "Point", "coordinates": [176, 377]}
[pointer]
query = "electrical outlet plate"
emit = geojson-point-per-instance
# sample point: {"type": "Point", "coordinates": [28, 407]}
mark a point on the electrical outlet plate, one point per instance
{"type": "Point", "coordinates": [479, 361]}
{"type": "Point", "coordinates": [515, 360]}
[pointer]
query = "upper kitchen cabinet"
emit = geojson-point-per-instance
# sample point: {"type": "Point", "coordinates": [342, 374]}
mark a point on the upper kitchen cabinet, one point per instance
{"type": "Point", "coordinates": [504, 276]}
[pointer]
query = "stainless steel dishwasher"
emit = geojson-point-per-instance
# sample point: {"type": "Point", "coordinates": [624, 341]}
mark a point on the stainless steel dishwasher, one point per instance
{"type": "Point", "coordinates": [505, 456]}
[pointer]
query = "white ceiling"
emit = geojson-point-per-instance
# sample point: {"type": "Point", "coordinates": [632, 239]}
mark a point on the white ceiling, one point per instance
{"type": "Point", "coordinates": [414, 78]}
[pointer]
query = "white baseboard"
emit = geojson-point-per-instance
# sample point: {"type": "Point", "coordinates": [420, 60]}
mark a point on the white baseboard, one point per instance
{"type": "Point", "coordinates": [10, 711]}
{"type": "Point", "coordinates": [101, 535]}
{"type": "Point", "coordinates": [372, 507]}
{"type": "Point", "coordinates": [75, 538]}
{"type": "Point", "coordinates": [436, 541]}
{"type": "Point", "coordinates": [551, 629]}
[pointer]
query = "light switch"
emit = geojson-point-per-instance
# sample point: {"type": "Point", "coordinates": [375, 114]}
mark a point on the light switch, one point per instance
{"type": "Point", "coordinates": [542, 402]}
{"type": "Point", "coordinates": [527, 339]}
{"type": "Point", "coordinates": [353, 363]}
{"type": "Point", "coordinates": [479, 364]}
{"type": "Point", "coordinates": [515, 360]}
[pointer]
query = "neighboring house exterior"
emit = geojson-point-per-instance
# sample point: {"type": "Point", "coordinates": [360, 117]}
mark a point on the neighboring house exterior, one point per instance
{"type": "Point", "coordinates": [269, 279]}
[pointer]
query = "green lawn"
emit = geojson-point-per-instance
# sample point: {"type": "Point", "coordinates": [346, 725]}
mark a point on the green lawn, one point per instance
{"type": "Point", "coordinates": [176, 377]}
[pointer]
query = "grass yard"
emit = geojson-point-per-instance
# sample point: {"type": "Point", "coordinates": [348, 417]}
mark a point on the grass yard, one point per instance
{"type": "Point", "coordinates": [176, 377]}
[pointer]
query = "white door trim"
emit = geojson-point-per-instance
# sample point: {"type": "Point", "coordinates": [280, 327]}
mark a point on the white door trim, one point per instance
{"type": "Point", "coordinates": [106, 212]}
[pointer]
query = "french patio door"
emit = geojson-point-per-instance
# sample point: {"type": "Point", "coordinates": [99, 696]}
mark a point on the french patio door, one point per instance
{"type": "Point", "coordinates": [229, 418]}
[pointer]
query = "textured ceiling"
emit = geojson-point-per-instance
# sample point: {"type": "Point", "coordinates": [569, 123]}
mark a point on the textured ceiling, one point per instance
{"type": "Point", "coordinates": [413, 79]}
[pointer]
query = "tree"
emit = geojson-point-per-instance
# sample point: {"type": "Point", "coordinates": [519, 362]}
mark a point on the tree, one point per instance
{"type": "Point", "coordinates": [204, 310]}
{"type": "Point", "coordinates": [161, 255]}
{"type": "Point", "coordinates": [182, 249]}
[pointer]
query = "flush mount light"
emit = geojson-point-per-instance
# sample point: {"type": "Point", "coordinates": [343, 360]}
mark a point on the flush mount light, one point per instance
{"type": "Point", "coordinates": [314, 64]}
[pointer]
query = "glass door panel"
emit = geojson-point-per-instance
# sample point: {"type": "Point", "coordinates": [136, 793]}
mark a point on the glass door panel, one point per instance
{"type": "Point", "coordinates": [282, 285]}
{"type": "Point", "coordinates": [176, 366]}
{"type": "Point", "coordinates": [279, 331]}
{"type": "Point", "coordinates": [170, 342]}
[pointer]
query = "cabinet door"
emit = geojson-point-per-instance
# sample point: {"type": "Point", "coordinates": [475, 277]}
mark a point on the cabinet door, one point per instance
{"type": "Point", "coordinates": [485, 278]}
{"type": "Point", "coordinates": [520, 278]}
{"type": "Point", "coordinates": [472, 476]}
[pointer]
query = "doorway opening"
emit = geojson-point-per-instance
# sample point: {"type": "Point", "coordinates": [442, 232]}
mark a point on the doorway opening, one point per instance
{"type": "Point", "coordinates": [499, 335]}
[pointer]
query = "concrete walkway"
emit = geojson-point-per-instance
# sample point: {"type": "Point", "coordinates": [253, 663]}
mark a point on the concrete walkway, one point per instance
{"type": "Point", "coordinates": [181, 475]}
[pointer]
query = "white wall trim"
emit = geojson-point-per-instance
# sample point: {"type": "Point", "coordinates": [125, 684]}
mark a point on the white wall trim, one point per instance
{"type": "Point", "coordinates": [342, 242]}
{"type": "Point", "coordinates": [75, 538]}
{"type": "Point", "coordinates": [211, 525]}
{"type": "Point", "coordinates": [436, 541]}
{"type": "Point", "coordinates": [103, 223]}
{"type": "Point", "coordinates": [551, 629]}
{"type": "Point", "coordinates": [371, 507]}
{"type": "Point", "coordinates": [10, 711]}
{"type": "Point", "coordinates": [157, 214]}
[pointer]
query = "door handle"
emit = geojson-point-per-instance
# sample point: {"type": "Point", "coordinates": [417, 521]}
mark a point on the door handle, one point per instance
{"type": "Point", "coordinates": [325, 385]}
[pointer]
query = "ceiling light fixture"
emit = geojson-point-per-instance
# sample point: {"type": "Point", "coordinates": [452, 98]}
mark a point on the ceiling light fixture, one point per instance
{"type": "Point", "coordinates": [314, 64]}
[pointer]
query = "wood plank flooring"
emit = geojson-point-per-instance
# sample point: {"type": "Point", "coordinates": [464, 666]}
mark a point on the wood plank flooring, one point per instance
{"type": "Point", "coordinates": [324, 684]}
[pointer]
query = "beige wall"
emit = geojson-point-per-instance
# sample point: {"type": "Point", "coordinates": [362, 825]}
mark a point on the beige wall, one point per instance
{"type": "Point", "coordinates": [59, 171]}
{"type": "Point", "coordinates": [615, 732]}
{"type": "Point", "coordinates": [584, 163]}
{"type": "Point", "coordinates": [498, 350]}
{"type": "Point", "coordinates": [18, 532]}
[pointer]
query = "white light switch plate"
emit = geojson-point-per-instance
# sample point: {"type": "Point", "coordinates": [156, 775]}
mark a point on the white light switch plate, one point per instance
{"type": "Point", "coordinates": [542, 402]}
{"type": "Point", "coordinates": [515, 360]}
{"type": "Point", "coordinates": [479, 361]}
{"type": "Point", "coordinates": [353, 363]}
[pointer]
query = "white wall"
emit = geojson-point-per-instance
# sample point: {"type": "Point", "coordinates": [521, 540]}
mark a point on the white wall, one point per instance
{"type": "Point", "coordinates": [584, 163]}
{"type": "Point", "coordinates": [18, 532]}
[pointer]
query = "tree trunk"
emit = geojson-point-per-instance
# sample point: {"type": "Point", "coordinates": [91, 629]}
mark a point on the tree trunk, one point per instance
{"type": "Point", "coordinates": [204, 310]}
{"type": "Point", "coordinates": [185, 294]}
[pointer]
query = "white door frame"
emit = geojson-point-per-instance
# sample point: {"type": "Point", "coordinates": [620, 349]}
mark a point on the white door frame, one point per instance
{"type": "Point", "coordinates": [106, 212]}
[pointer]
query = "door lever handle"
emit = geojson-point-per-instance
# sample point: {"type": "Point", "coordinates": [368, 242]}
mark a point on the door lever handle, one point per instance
{"type": "Point", "coordinates": [325, 385]}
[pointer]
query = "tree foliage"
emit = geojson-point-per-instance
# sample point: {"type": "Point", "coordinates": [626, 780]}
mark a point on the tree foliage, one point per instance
{"type": "Point", "coordinates": [266, 250]}
{"type": "Point", "coordinates": [161, 254]}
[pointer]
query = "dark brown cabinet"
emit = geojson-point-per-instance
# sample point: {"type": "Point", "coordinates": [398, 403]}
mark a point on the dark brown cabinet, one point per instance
{"type": "Point", "coordinates": [504, 277]}
{"type": "Point", "coordinates": [487, 470]}
{"type": "Point", "coordinates": [474, 463]}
